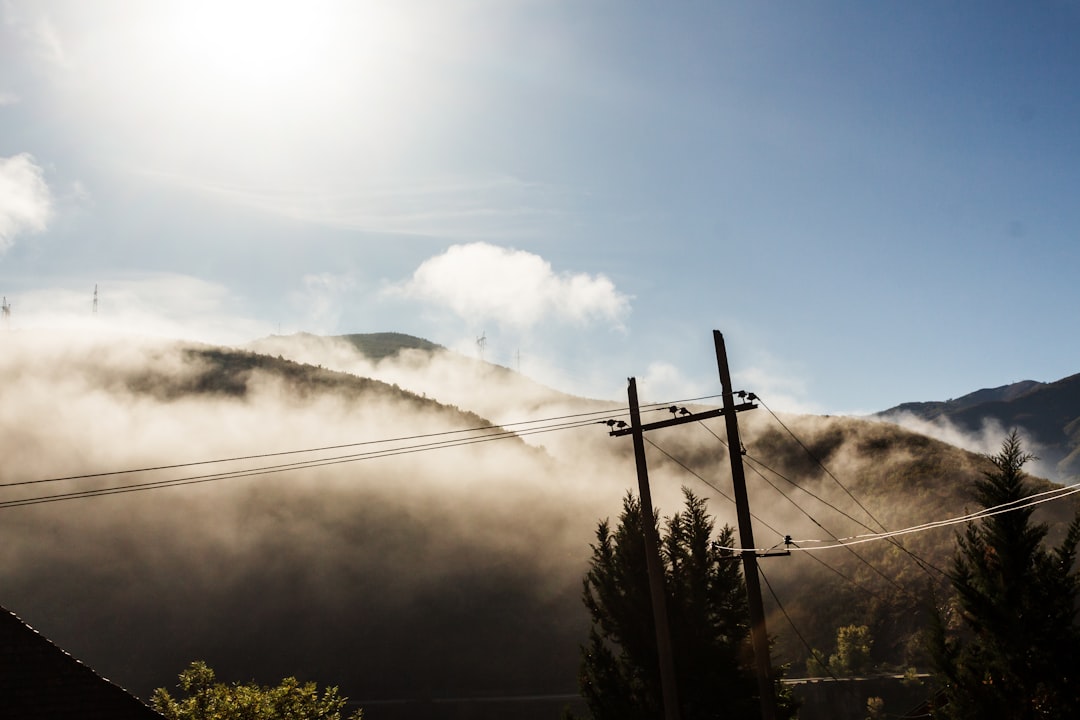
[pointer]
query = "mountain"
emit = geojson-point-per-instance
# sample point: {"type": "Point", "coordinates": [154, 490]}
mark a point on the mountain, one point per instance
{"type": "Point", "coordinates": [1048, 414]}
{"type": "Point", "coordinates": [411, 525]}
{"type": "Point", "coordinates": [378, 346]}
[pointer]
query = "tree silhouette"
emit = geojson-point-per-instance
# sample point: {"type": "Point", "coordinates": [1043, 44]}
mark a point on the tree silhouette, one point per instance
{"type": "Point", "coordinates": [1014, 655]}
{"type": "Point", "coordinates": [709, 620]}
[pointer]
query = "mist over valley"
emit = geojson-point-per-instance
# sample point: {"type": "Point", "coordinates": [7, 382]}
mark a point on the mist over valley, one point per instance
{"type": "Point", "coordinates": [405, 522]}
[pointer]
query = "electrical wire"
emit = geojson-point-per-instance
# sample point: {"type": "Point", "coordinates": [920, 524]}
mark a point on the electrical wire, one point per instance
{"type": "Point", "coordinates": [1011, 506]}
{"type": "Point", "coordinates": [282, 453]}
{"type": "Point", "coordinates": [651, 407]}
{"type": "Point", "coordinates": [810, 650]}
{"type": "Point", "coordinates": [494, 432]}
{"type": "Point", "coordinates": [720, 492]}
{"type": "Point", "coordinates": [272, 469]}
{"type": "Point", "coordinates": [924, 565]}
{"type": "Point", "coordinates": [971, 517]}
{"type": "Point", "coordinates": [892, 581]}
{"type": "Point", "coordinates": [820, 464]}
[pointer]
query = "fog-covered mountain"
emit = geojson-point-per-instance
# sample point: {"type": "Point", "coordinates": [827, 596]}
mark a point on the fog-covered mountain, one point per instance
{"type": "Point", "coordinates": [1047, 414]}
{"type": "Point", "coordinates": [379, 513]}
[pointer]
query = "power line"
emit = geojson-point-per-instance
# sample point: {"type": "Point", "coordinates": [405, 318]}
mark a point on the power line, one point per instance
{"type": "Point", "coordinates": [924, 565]}
{"type": "Point", "coordinates": [890, 580]}
{"type": "Point", "coordinates": [1012, 506]}
{"type": "Point", "coordinates": [821, 464]}
{"type": "Point", "coordinates": [1057, 494]}
{"type": "Point", "coordinates": [780, 605]}
{"type": "Point", "coordinates": [720, 492]}
{"type": "Point", "coordinates": [860, 558]}
{"type": "Point", "coordinates": [286, 467]}
{"type": "Point", "coordinates": [496, 432]}
{"type": "Point", "coordinates": [499, 427]}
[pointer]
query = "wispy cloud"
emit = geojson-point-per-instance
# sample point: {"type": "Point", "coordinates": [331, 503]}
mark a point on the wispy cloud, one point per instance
{"type": "Point", "coordinates": [7, 98]}
{"type": "Point", "coordinates": [25, 200]}
{"type": "Point", "coordinates": [514, 288]}
{"type": "Point", "coordinates": [471, 207]}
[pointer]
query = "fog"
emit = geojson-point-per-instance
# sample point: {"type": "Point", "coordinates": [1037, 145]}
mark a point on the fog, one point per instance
{"type": "Point", "coordinates": [985, 441]}
{"type": "Point", "coordinates": [431, 573]}
{"type": "Point", "coordinates": [444, 573]}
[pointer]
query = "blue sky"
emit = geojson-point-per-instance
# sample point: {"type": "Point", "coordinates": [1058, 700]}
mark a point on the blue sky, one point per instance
{"type": "Point", "coordinates": [875, 202]}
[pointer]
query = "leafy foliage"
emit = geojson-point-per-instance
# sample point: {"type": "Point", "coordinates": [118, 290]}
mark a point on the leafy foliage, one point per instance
{"type": "Point", "coordinates": [708, 616]}
{"type": "Point", "coordinates": [1017, 609]}
{"type": "Point", "coordinates": [210, 700]}
{"type": "Point", "coordinates": [852, 656]}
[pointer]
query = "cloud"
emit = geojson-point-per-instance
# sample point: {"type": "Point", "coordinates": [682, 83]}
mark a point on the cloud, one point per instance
{"type": "Point", "coordinates": [25, 201]}
{"type": "Point", "coordinates": [515, 288]}
{"type": "Point", "coordinates": [467, 207]}
{"type": "Point", "coordinates": [7, 98]}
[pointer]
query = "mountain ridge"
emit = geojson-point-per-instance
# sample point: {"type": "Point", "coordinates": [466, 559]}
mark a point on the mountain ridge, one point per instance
{"type": "Point", "coordinates": [1047, 413]}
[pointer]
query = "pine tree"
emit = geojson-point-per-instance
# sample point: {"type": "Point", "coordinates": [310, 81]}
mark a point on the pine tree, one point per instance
{"type": "Point", "coordinates": [1019, 640]}
{"type": "Point", "coordinates": [709, 620]}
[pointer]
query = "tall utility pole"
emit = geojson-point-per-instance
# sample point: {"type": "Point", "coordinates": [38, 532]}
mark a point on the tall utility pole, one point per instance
{"type": "Point", "coordinates": [758, 635]}
{"type": "Point", "coordinates": [657, 591]}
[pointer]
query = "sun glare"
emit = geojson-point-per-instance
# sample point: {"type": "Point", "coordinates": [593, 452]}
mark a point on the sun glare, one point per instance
{"type": "Point", "coordinates": [253, 46]}
{"type": "Point", "coordinates": [233, 88]}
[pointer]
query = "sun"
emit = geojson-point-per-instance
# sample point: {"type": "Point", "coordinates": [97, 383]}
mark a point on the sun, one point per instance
{"type": "Point", "coordinates": [241, 89]}
{"type": "Point", "coordinates": [253, 46]}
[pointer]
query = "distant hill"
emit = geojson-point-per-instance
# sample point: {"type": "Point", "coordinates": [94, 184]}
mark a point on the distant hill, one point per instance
{"type": "Point", "coordinates": [1049, 413]}
{"type": "Point", "coordinates": [427, 369]}
{"type": "Point", "coordinates": [387, 344]}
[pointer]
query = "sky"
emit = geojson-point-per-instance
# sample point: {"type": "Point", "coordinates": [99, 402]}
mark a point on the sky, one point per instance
{"type": "Point", "coordinates": [875, 203]}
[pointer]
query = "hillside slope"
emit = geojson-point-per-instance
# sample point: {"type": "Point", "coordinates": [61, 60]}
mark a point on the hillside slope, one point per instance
{"type": "Point", "coordinates": [1047, 413]}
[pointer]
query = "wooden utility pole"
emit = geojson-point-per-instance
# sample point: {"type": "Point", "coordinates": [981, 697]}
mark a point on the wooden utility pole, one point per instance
{"type": "Point", "coordinates": [657, 590]}
{"type": "Point", "coordinates": [758, 635]}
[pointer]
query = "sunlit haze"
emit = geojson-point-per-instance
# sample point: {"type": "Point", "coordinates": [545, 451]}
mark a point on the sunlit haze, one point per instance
{"type": "Point", "coordinates": [874, 202]}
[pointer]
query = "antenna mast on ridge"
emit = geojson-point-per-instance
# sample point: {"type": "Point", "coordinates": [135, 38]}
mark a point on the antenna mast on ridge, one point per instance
{"type": "Point", "coordinates": [481, 343]}
{"type": "Point", "coordinates": [5, 312]}
{"type": "Point", "coordinates": [95, 298]}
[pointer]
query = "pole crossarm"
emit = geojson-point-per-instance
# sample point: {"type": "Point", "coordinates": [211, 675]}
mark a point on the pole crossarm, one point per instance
{"type": "Point", "coordinates": [684, 419]}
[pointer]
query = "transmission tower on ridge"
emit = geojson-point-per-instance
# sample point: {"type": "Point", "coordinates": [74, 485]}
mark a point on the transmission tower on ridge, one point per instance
{"type": "Point", "coordinates": [481, 343]}
{"type": "Point", "coordinates": [95, 299]}
{"type": "Point", "coordinates": [5, 312]}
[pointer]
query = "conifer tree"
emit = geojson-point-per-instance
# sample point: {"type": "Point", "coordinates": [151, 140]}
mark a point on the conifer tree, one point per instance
{"type": "Point", "coordinates": [709, 620]}
{"type": "Point", "coordinates": [1015, 655]}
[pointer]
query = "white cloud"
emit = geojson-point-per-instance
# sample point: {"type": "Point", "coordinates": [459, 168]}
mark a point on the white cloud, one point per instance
{"type": "Point", "coordinates": [7, 98]}
{"type": "Point", "coordinates": [25, 201]}
{"type": "Point", "coordinates": [515, 288]}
